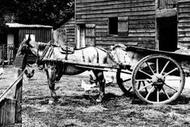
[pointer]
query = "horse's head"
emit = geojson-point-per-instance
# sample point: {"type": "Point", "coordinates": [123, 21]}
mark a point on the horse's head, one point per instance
{"type": "Point", "coordinates": [27, 46]}
{"type": "Point", "coordinates": [120, 55]}
{"type": "Point", "coordinates": [24, 47]}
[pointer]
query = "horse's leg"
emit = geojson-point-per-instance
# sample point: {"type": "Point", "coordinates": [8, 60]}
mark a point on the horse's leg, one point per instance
{"type": "Point", "coordinates": [50, 71]}
{"type": "Point", "coordinates": [59, 70]}
{"type": "Point", "coordinates": [100, 78]}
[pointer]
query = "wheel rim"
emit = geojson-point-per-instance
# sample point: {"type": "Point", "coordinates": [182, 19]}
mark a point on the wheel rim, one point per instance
{"type": "Point", "coordinates": [124, 81]}
{"type": "Point", "coordinates": [158, 79]}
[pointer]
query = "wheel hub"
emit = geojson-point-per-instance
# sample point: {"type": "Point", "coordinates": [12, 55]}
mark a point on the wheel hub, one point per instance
{"type": "Point", "coordinates": [158, 81]}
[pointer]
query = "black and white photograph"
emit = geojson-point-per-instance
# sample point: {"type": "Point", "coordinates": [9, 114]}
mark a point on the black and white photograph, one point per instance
{"type": "Point", "coordinates": [94, 63]}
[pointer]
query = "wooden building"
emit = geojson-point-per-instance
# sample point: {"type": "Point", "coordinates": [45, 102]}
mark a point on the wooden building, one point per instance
{"type": "Point", "coordinates": [65, 35]}
{"type": "Point", "coordinates": [156, 24]}
{"type": "Point", "coordinates": [15, 33]}
{"type": "Point", "coordinates": [70, 31]}
{"type": "Point", "coordinates": [145, 23]}
{"type": "Point", "coordinates": [184, 22]}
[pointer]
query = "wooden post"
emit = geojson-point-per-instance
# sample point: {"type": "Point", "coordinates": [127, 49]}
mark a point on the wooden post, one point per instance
{"type": "Point", "coordinates": [18, 97]}
{"type": "Point", "coordinates": [11, 109]}
{"type": "Point", "coordinates": [7, 112]}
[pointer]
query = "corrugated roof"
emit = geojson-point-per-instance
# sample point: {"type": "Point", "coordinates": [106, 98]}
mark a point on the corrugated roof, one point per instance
{"type": "Point", "coordinates": [18, 25]}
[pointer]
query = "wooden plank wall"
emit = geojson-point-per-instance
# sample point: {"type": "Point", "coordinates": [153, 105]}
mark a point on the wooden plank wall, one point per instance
{"type": "Point", "coordinates": [42, 35]}
{"type": "Point", "coordinates": [70, 29]}
{"type": "Point", "coordinates": [184, 22]}
{"type": "Point", "coordinates": [140, 14]}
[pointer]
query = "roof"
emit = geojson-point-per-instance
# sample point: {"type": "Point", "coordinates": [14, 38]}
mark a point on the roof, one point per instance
{"type": "Point", "coordinates": [183, 0]}
{"type": "Point", "coordinates": [18, 25]}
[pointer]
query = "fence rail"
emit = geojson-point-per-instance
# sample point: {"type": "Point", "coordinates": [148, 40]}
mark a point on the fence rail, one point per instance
{"type": "Point", "coordinates": [10, 109]}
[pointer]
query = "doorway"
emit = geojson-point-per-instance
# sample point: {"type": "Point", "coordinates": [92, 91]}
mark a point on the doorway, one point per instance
{"type": "Point", "coordinates": [167, 33]}
{"type": "Point", "coordinates": [80, 36]}
{"type": "Point", "coordinates": [85, 35]}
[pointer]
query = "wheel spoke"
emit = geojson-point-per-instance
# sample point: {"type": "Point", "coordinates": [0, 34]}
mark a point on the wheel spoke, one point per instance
{"type": "Point", "coordinates": [175, 69]}
{"type": "Point", "coordinates": [170, 87]}
{"type": "Point", "coordinates": [126, 72]}
{"type": "Point", "coordinates": [166, 93]}
{"type": "Point", "coordinates": [165, 67]}
{"type": "Point", "coordinates": [158, 95]}
{"type": "Point", "coordinates": [157, 66]}
{"type": "Point", "coordinates": [150, 68]}
{"type": "Point", "coordinates": [145, 87]}
{"type": "Point", "coordinates": [173, 79]}
{"type": "Point", "coordinates": [139, 84]}
{"type": "Point", "coordinates": [145, 73]}
{"type": "Point", "coordinates": [127, 80]}
{"type": "Point", "coordinates": [152, 89]}
{"type": "Point", "coordinates": [143, 80]}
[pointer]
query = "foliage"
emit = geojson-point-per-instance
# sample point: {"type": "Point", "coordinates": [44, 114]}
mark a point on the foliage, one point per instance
{"type": "Point", "coordinates": [47, 12]}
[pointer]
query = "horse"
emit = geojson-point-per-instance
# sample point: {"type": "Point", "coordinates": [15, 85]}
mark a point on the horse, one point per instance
{"type": "Point", "coordinates": [55, 69]}
{"type": "Point", "coordinates": [30, 56]}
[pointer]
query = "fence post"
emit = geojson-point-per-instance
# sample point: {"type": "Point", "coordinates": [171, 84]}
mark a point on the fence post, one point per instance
{"type": "Point", "coordinates": [18, 97]}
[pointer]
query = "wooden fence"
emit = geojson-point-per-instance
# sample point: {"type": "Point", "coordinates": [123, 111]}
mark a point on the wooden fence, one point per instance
{"type": "Point", "coordinates": [10, 108]}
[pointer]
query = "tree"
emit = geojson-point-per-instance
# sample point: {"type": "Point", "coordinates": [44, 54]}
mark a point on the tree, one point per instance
{"type": "Point", "coordinates": [47, 12]}
{"type": "Point", "coordinates": [7, 9]}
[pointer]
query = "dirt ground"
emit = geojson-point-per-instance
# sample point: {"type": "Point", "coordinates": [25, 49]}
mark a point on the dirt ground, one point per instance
{"type": "Point", "coordinates": [75, 108]}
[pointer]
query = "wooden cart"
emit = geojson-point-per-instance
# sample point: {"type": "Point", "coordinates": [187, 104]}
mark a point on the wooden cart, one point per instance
{"type": "Point", "coordinates": [158, 77]}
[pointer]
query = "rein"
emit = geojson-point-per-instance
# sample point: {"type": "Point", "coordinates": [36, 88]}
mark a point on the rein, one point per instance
{"type": "Point", "coordinates": [112, 57]}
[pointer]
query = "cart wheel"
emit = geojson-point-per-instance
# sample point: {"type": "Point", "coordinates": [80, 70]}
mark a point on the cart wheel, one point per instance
{"type": "Point", "coordinates": [158, 79]}
{"type": "Point", "coordinates": [124, 81]}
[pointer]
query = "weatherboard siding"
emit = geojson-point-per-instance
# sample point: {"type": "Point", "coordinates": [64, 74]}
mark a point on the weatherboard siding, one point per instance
{"type": "Point", "coordinates": [184, 22]}
{"type": "Point", "coordinates": [41, 35]}
{"type": "Point", "coordinates": [140, 14]}
{"type": "Point", "coordinates": [70, 31]}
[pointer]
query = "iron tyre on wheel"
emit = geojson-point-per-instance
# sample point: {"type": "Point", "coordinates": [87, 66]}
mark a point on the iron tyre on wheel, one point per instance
{"type": "Point", "coordinates": [158, 79]}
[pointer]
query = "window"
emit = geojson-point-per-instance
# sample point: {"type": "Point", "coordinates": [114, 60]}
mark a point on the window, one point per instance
{"type": "Point", "coordinates": [113, 25]}
{"type": "Point", "coordinates": [32, 37]}
{"type": "Point", "coordinates": [118, 26]}
{"type": "Point", "coordinates": [123, 26]}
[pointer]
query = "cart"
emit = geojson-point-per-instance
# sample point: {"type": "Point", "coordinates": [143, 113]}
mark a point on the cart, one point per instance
{"type": "Point", "coordinates": [158, 77]}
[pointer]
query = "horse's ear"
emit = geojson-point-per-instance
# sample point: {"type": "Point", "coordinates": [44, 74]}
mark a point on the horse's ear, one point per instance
{"type": "Point", "coordinates": [28, 41]}
{"type": "Point", "coordinates": [112, 47]}
{"type": "Point", "coordinates": [29, 38]}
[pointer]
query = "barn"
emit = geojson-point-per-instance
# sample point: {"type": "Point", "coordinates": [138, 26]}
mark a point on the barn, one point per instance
{"type": "Point", "coordinates": [155, 24]}
{"type": "Point", "coordinates": [15, 33]}
{"type": "Point", "coordinates": [144, 23]}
